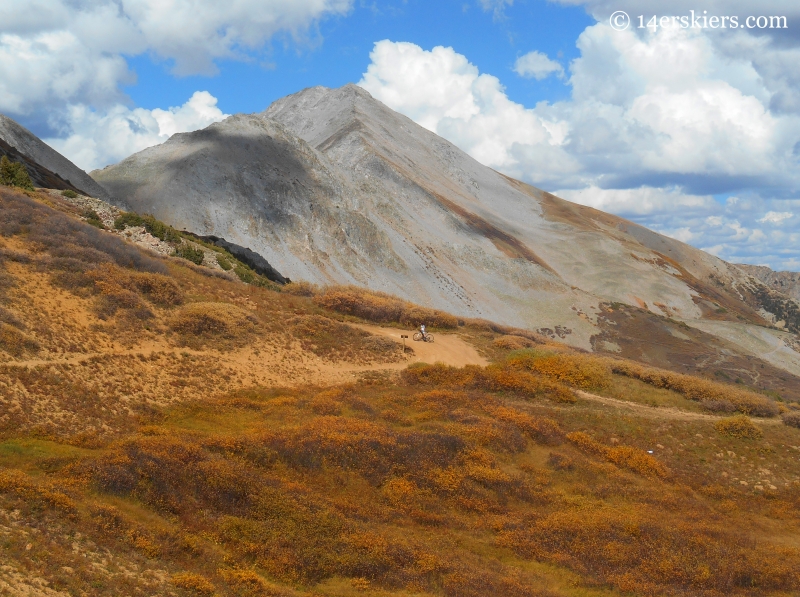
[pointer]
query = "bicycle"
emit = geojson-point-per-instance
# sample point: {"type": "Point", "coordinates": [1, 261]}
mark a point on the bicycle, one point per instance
{"type": "Point", "coordinates": [427, 338]}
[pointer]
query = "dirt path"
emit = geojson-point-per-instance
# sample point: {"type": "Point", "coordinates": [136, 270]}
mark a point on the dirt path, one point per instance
{"type": "Point", "coordinates": [661, 412]}
{"type": "Point", "coordinates": [449, 349]}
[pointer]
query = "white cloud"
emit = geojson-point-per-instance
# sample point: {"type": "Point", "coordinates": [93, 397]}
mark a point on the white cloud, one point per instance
{"type": "Point", "coordinates": [57, 52]}
{"type": "Point", "coordinates": [537, 65]}
{"type": "Point", "coordinates": [775, 217]}
{"type": "Point", "coordinates": [101, 138]}
{"type": "Point", "coordinates": [443, 92]}
{"type": "Point", "coordinates": [656, 125]}
{"type": "Point", "coordinates": [643, 201]}
{"type": "Point", "coordinates": [496, 6]}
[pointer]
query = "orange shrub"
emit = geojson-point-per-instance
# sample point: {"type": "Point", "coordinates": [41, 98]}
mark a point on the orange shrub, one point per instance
{"type": "Point", "coordinates": [494, 378]}
{"type": "Point", "coordinates": [739, 426]}
{"type": "Point", "coordinates": [15, 342]}
{"type": "Point", "coordinates": [213, 319]}
{"type": "Point", "coordinates": [193, 582]}
{"type": "Point", "coordinates": [35, 495]}
{"type": "Point", "coordinates": [580, 371]}
{"type": "Point", "coordinates": [641, 552]}
{"type": "Point", "coordinates": [300, 288]}
{"type": "Point", "coordinates": [381, 307]}
{"type": "Point", "coordinates": [626, 456]}
{"type": "Point", "coordinates": [792, 419]}
{"type": "Point", "coordinates": [513, 342]}
{"type": "Point", "coordinates": [696, 388]}
{"type": "Point", "coordinates": [160, 289]}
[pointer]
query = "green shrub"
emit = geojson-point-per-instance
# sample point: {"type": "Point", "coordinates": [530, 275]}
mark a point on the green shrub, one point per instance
{"type": "Point", "coordinates": [126, 219]}
{"type": "Point", "coordinates": [155, 227]}
{"type": "Point", "coordinates": [93, 218]}
{"type": "Point", "coordinates": [160, 230]}
{"type": "Point", "coordinates": [14, 174]}
{"type": "Point", "coordinates": [224, 263]}
{"type": "Point", "coordinates": [69, 194]}
{"type": "Point", "coordinates": [245, 274]}
{"type": "Point", "coordinates": [190, 253]}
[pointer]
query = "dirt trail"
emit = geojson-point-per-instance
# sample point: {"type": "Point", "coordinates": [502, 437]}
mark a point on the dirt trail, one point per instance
{"type": "Point", "coordinates": [449, 349]}
{"type": "Point", "coordinates": [662, 412]}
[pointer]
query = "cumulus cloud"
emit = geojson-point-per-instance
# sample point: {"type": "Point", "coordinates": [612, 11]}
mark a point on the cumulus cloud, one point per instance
{"type": "Point", "coordinates": [775, 217]}
{"type": "Point", "coordinates": [441, 90]}
{"type": "Point", "coordinates": [98, 139]}
{"type": "Point", "coordinates": [656, 126]}
{"type": "Point", "coordinates": [58, 52]}
{"type": "Point", "coordinates": [537, 65]}
{"type": "Point", "coordinates": [67, 59]}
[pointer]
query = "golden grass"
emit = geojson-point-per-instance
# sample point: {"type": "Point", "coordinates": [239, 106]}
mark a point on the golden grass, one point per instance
{"type": "Point", "coordinates": [698, 389]}
{"type": "Point", "coordinates": [319, 489]}
{"type": "Point", "coordinates": [208, 321]}
{"type": "Point", "coordinates": [457, 482]}
{"type": "Point", "coordinates": [380, 307]}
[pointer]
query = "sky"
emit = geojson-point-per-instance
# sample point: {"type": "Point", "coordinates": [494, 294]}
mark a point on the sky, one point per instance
{"type": "Point", "coordinates": [664, 113]}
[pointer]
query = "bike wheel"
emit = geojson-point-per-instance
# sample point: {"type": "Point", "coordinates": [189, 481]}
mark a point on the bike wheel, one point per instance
{"type": "Point", "coordinates": [417, 337]}
{"type": "Point", "coordinates": [429, 338]}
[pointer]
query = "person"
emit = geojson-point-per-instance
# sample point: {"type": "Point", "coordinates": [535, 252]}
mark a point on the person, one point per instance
{"type": "Point", "coordinates": [422, 329]}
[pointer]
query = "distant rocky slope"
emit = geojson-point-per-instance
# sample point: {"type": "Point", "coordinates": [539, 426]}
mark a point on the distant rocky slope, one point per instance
{"type": "Point", "coordinates": [787, 283]}
{"type": "Point", "coordinates": [331, 186]}
{"type": "Point", "coordinates": [43, 161]}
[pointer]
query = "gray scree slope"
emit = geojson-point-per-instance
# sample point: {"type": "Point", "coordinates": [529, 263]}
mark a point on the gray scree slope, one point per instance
{"type": "Point", "coordinates": [29, 145]}
{"type": "Point", "coordinates": [331, 186]}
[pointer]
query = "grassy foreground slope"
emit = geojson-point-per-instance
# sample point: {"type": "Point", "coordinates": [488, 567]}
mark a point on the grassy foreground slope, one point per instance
{"type": "Point", "coordinates": [165, 430]}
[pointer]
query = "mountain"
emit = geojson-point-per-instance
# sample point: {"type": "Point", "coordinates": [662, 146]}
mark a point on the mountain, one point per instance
{"type": "Point", "coordinates": [787, 283]}
{"type": "Point", "coordinates": [45, 165]}
{"type": "Point", "coordinates": [330, 185]}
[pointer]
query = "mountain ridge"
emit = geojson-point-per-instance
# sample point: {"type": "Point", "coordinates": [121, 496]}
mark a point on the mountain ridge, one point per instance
{"type": "Point", "coordinates": [332, 186]}
{"type": "Point", "coordinates": [34, 149]}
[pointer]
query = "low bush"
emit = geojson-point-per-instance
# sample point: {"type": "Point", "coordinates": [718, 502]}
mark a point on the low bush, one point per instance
{"type": "Point", "coordinates": [195, 583]}
{"type": "Point", "coordinates": [301, 288]}
{"type": "Point", "coordinates": [209, 320]}
{"type": "Point", "coordinates": [93, 218]}
{"type": "Point", "coordinates": [14, 174]}
{"type": "Point", "coordinates": [513, 342]}
{"type": "Point", "coordinates": [497, 377]}
{"type": "Point", "coordinates": [69, 194]}
{"type": "Point", "coordinates": [190, 253]}
{"type": "Point", "coordinates": [739, 426]}
{"type": "Point", "coordinates": [153, 226]}
{"type": "Point", "coordinates": [629, 457]}
{"type": "Point", "coordinates": [15, 342]}
{"type": "Point", "coordinates": [792, 419]}
{"type": "Point", "coordinates": [580, 371]}
{"type": "Point", "coordinates": [699, 389]}
{"type": "Point", "coordinates": [381, 307]}
{"type": "Point", "coordinates": [126, 219]}
{"type": "Point", "coordinates": [224, 262]}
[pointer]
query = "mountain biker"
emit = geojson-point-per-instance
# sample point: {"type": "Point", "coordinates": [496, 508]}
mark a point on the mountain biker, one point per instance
{"type": "Point", "coordinates": [422, 330]}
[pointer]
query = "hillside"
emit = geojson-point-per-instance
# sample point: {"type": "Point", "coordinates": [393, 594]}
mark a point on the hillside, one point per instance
{"type": "Point", "coordinates": [787, 283]}
{"type": "Point", "coordinates": [168, 429]}
{"type": "Point", "coordinates": [39, 156]}
{"type": "Point", "coordinates": [332, 187]}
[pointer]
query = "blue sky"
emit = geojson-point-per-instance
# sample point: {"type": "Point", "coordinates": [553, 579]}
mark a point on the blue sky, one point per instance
{"type": "Point", "coordinates": [339, 52]}
{"type": "Point", "coordinates": [694, 132]}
